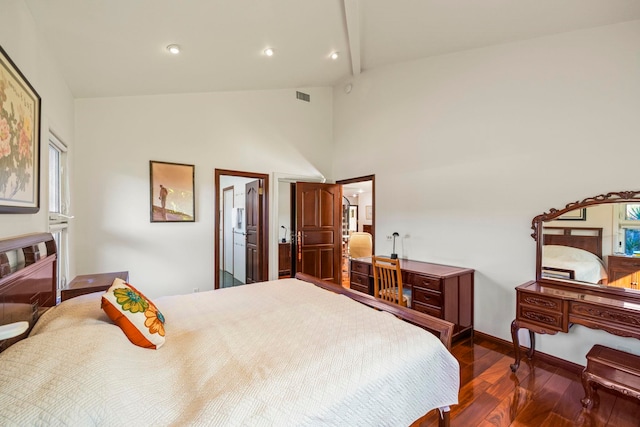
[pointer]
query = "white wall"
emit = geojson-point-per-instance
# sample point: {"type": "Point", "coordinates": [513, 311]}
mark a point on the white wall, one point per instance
{"type": "Point", "coordinates": [255, 131]}
{"type": "Point", "coordinates": [22, 42]}
{"type": "Point", "coordinates": [461, 148]}
{"type": "Point", "coordinates": [284, 211]}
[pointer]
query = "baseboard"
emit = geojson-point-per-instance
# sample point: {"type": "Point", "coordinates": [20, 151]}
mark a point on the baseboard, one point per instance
{"type": "Point", "coordinates": [543, 357]}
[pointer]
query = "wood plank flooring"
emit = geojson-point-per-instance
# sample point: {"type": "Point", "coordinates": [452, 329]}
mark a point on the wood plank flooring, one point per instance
{"type": "Point", "coordinates": [537, 395]}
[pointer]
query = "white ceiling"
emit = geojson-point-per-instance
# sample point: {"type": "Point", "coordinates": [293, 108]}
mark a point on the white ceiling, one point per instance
{"type": "Point", "coordinates": [117, 47]}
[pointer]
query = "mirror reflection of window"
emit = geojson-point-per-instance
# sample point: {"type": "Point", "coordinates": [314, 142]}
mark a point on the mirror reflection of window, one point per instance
{"type": "Point", "coordinates": [630, 229]}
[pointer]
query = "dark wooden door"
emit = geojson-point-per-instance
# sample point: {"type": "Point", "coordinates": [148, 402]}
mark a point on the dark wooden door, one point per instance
{"type": "Point", "coordinates": [254, 242]}
{"type": "Point", "coordinates": [318, 230]}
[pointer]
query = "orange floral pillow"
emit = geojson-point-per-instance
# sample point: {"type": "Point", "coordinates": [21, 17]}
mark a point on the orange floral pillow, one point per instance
{"type": "Point", "coordinates": [135, 314]}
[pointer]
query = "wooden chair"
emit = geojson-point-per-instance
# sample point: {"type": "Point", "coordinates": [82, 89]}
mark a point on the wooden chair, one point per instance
{"type": "Point", "coordinates": [387, 280]}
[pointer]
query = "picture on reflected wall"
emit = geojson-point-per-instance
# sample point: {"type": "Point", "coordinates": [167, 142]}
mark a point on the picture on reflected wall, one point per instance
{"type": "Point", "coordinates": [172, 192]}
{"type": "Point", "coordinates": [19, 141]}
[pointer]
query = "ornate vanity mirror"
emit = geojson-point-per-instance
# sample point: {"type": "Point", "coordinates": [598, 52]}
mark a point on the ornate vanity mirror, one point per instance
{"type": "Point", "coordinates": [594, 242]}
{"type": "Point", "coordinates": [587, 270]}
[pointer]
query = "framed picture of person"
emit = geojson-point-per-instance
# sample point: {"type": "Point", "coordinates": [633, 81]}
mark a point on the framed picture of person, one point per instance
{"type": "Point", "coordinates": [172, 192]}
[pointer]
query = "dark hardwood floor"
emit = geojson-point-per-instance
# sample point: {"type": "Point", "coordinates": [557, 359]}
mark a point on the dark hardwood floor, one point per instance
{"type": "Point", "coordinates": [538, 395]}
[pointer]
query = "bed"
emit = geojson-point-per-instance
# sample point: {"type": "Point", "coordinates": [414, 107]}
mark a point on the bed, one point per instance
{"type": "Point", "coordinates": [288, 352]}
{"type": "Point", "coordinates": [574, 253]}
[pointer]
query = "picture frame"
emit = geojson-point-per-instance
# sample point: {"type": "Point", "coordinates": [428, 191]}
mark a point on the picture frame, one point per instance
{"type": "Point", "coordinates": [574, 215]}
{"type": "Point", "coordinates": [172, 189]}
{"type": "Point", "coordinates": [19, 140]}
{"type": "Point", "coordinates": [368, 210]}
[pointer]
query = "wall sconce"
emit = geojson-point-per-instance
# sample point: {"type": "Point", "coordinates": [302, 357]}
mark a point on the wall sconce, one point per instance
{"type": "Point", "coordinates": [394, 255]}
{"type": "Point", "coordinates": [284, 239]}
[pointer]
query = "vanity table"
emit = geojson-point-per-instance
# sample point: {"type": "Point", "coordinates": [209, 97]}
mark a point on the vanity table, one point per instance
{"type": "Point", "coordinates": [552, 304]}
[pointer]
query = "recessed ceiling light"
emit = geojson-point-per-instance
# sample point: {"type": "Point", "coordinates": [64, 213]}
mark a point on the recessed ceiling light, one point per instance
{"type": "Point", "coordinates": [334, 55]}
{"type": "Point", "coordinates": [268, 51]}
{"type": "Point", "coordinates": [174, 48]}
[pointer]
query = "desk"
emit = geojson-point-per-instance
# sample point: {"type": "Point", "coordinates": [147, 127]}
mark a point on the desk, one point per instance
{"type": "Point", "coordinates": [89, 283]}
{"type": "Point", "coordinates": [549, 308]}
{"type": "Point", "coordinates": [442, 291]}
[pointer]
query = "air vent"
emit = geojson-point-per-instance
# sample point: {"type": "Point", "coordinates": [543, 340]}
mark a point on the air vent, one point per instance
{"type": "Point", "coordinates": [303, 96]}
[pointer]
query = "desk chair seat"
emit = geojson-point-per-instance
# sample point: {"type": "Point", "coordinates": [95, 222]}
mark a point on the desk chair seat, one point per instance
{"type": "Point", "coordinates": [387, 281]}
{"type": "Point", "coordinates": [392, 295]}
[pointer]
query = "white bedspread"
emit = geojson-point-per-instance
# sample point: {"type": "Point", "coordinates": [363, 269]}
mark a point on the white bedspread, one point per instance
{"type": "Point", "coordinates": [274, 354]}
{"type": "Point", "coordinates": [586, 266]}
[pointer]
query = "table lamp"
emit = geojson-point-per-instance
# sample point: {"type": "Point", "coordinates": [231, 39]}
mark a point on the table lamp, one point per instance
{"type": "Point", "coordinates": [394, 255]}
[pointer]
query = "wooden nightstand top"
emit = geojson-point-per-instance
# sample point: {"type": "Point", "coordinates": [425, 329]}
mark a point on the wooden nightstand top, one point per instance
{"type": "Point", "coordinates": [89, 283]}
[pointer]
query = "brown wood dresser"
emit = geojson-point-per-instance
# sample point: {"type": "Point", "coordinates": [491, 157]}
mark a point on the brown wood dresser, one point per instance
{"type": "Point", "coordinates": [284, 260]}
{"type": "Point", "coordinates": [442, 291]}
{"type": "Point", "coordinates": [623, 271]}
{"type": "Point", "coordinates": [90, 283]}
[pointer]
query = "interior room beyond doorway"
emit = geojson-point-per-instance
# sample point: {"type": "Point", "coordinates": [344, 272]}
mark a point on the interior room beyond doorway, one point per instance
{"type": "Point", "coordinates": [358, 215]}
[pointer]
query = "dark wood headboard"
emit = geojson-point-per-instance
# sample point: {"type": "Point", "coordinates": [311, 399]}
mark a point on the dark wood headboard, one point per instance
{"type": "Point", "coordinates": [586, 238]}
{"type": "Point", "coordinates": [29, 289]}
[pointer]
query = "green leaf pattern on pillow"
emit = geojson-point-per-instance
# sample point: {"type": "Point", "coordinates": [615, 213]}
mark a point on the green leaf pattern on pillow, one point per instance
{"type": "Point", "coordinates": [130, 300]}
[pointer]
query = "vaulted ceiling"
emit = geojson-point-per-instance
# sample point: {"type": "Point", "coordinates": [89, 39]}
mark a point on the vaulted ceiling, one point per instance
{"type": "Point", "coordinates": [118, 47]}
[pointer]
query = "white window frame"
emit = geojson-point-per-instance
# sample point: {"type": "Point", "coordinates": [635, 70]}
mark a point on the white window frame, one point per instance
{"type": "Point", "coordinates": [59, 221]}
{"type": "Point", "coordinates": [621, 223]}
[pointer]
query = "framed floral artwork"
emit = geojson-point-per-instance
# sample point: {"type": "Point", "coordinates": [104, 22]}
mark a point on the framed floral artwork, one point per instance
{"type": "Point", "coordinates": [172, 192]}
{"type": "Point", "coordinates": [19, 140]}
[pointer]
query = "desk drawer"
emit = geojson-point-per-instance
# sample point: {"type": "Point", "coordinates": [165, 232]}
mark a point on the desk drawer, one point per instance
{"type": "Point", "coordinates": [361, 267]}
{"type": "Point", "coordinates": [359, 288]}
{"type": "Point", "coordinates": [427, 309]}
{"type": "Point", "coordinates": [359, 282]}
{"type": "Point", "coordinates": [426, 296]}
{"type": "Point", "coordinates": [424, 282]}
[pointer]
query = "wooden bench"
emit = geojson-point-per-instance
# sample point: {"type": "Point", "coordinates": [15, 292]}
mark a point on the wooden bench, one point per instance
{"type": "Point", "coordinates": [613, 369]}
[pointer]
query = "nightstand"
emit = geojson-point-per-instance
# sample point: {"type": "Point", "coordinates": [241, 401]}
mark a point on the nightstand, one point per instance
{"type": "Point", "coordinates": [89, 283]}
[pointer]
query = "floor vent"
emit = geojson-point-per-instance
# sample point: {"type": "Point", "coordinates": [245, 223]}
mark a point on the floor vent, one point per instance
{"type": "Point", "coordinates": [303, 96]}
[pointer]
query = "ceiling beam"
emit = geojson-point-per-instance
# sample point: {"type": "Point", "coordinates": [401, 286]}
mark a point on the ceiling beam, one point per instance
{"type": "Point", "coordinates": [352, 17]}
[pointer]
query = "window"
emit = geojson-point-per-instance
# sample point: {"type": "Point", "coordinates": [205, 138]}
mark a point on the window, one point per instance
{"type": "Point", "coordinates": [629, 226]}
{"type": "Point", "coordinates": [59, 205]}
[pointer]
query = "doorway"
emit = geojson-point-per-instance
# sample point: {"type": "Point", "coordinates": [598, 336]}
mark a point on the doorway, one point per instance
{"type": "Point", "coordinates": [358, 209]}
{"type": "Point", "coordinates": [283, 225]}
{"type": "Point", "coordinates": [240, 228]}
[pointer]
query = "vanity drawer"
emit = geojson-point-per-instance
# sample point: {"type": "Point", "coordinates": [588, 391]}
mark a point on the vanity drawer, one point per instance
{"type": "Point", "coordinates": [540, 301]}
{"type": "Point", "coordinates": [550, 319]}
{"type": "Point", "coordinates": [424, 282]}
{"type": "Point", "coordinates": [427, 309]}
{"type": "Point", "coordinates": [426, 296]}
{"type": "Point", "coordinates": [361, 267]}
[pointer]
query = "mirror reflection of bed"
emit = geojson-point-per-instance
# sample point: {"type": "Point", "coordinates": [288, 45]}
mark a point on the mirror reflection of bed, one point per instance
{"type": "Point", "coordinates": [574, 253]}
{"type": "Point", "coordinates": [594, 245]}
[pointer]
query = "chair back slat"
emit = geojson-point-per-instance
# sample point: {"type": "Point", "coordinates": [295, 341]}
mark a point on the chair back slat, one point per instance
{"type": "Point", "coordinates": [387, 279]}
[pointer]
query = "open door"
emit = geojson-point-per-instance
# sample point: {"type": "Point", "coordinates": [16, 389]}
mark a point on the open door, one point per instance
{"type": "Point", "coordinates": [318, 230]}
{"type": "Point", "coordinates": [254, 242]}
{"type": "Point", "coordinates": [251, 208]}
